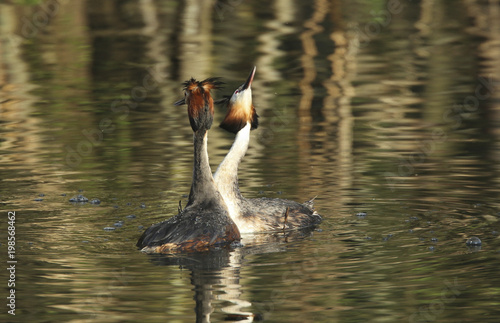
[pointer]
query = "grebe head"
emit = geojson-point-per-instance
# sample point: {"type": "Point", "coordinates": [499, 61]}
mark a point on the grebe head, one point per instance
{"type": "Point", "coordinates": [199, 101]}
{"type": "Point", "coordinates": [240, 108]}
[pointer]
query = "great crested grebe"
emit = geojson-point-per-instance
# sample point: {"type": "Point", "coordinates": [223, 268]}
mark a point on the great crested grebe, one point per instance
{"type": "Point", "coordinates": [261, 214]}
{"type": "Point", "coordinates": [205, 221]}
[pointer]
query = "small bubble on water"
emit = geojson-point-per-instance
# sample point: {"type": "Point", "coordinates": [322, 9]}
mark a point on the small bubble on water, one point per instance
{"type": "Point", "coordinates": [109, 228]}
{"type": "Point", "coordinates": [79, 199]}
{"type": "Point", "coordinates": [131, 216]}
{"type": "Point", "coordinates": [432, 248]}
{"type": "Point", "coordinates": [95, 201]}
{"type": "Point", "coordinates": [41, 195]}
{"type": "Point", "coordinates": [473, 241]}
{"type": "Point", "coordinates": [434, 239]}
{"type": "Point", "coordinates": [140, 227]}
{"type": "Point", "coordinates": [361, 215]}
{"type": "Point", "coordinates": [143, 205]}
{"type": "Point", "coordinates": [38, 200]}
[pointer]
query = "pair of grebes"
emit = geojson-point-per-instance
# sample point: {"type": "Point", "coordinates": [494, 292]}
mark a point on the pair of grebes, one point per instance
{"type": "Point", "coordinates": [216, 212]}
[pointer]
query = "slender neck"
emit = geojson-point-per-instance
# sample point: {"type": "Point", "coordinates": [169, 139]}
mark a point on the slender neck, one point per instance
{"type": "Point", "coordinates": [203, 186]}
{"type": "Point", "coordinates": [226, 176]}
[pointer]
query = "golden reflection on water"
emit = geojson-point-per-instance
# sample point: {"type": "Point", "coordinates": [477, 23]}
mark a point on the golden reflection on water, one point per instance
{"type": "Point", "coordinates": [395, 114]}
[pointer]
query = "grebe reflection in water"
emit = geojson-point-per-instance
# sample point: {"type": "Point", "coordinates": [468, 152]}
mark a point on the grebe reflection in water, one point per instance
{"type": "Point", "coordinates": [205, 221]}
{"type": "Point", "coordinates": [261, 214]}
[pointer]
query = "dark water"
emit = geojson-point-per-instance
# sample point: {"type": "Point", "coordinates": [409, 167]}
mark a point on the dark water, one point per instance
{"type": "Point", "coordinates": [391, 108]}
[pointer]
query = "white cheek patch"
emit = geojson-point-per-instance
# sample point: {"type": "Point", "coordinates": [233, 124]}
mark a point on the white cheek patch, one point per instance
{"type": "Point", "coordinates": [243, 98]}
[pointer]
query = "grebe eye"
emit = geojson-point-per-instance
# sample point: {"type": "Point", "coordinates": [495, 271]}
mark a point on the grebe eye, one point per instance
{"type": "Point", "coordinates": [237, 91]}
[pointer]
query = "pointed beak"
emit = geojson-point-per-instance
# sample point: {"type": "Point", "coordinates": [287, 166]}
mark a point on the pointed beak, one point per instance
{"type": "Point", "coordinates": [248, 83]}
{"type": "Point", "coordinates": [180, 102]}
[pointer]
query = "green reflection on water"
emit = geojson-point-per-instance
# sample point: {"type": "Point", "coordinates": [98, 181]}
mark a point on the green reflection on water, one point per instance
{"type": "Point", "coordinates": [374, 122]}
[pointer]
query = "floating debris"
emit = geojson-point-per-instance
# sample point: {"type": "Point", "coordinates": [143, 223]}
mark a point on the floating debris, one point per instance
{"type": "Point", "coordinates": [473, 241]}
{"type": "Point", "coordinates": [79, 199]}
{"type": "Point", "coordinates": [434, 239]}
{"type": "Point", "coordinates": [95, 201]}
{"type": "Point", "coordinates": [109, 228]}
{"type": "Point", "coordinates": [118, 224]}
{"type": "Point", "coordinates": [131, 216]}
{"type": "Point", "coordinates": [143, 205]}
{"type": "Point", "coordinates": [361, 215]}
{"type": "Point", "coordinates": [38, 200]}
{"type": "Point", "coordinates": [236, 244]}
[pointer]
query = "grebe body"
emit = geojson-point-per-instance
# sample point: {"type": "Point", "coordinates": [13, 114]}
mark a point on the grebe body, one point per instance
{"type": "Point", "coordinates": [261, 214]}
{"type": "Point", "coordinates": [205, 221]}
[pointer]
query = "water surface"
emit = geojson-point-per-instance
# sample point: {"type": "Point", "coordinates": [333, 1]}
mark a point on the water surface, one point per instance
{"type": "Point", "coordinates": [390, 115]}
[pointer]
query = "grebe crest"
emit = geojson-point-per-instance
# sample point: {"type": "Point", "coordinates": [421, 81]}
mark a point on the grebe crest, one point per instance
{"type": "Point", "coordinates": [199, 101]}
